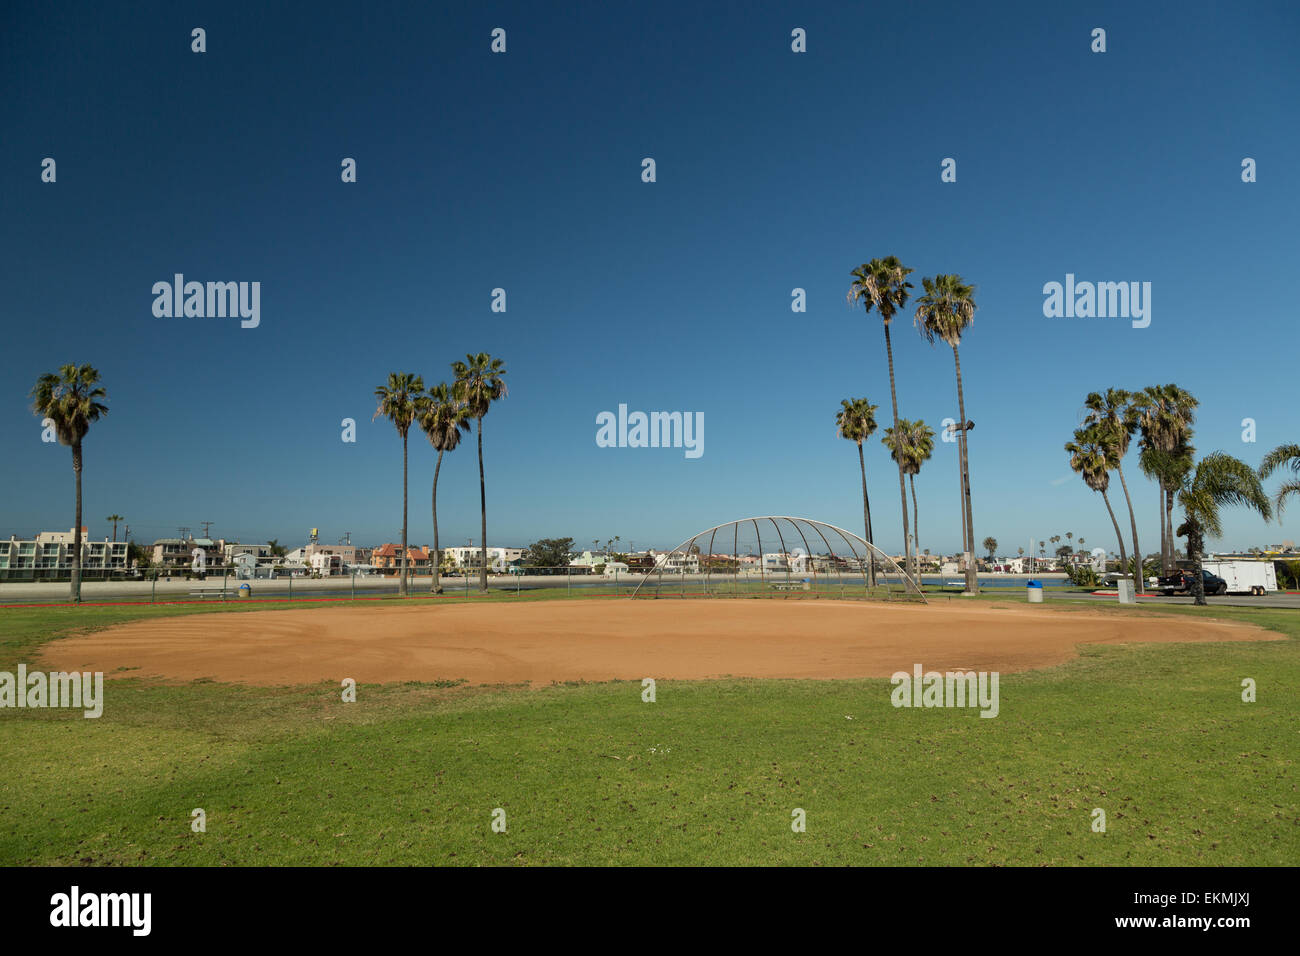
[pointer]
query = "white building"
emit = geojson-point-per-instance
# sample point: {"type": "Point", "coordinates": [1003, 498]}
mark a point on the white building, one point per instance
{"type": "Point", "coordinates": [677, 562]}
{"type": "Point", "coordinates": [52, 550]}
{"type": "Point", "coordinates": [498, 559]}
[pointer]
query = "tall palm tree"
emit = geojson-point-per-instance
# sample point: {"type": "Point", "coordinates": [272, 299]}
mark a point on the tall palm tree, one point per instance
{"type": "Point", "coordinates": [73, 400]}
{"type": "Point", "coordinates": [115, 518]}
{"type": "Point", "coordinates": [914, 442]}
{"type": "Point", "coordinates": [945, 311]}
{"type": "Point", "coordinates": [1282, 457]}
{"type": "Point", "coordinates": [478, 384]}
{"type": "Point", "coordinates": [1217, 480]}
{"type": "Point", "coordinates": [856, 422]}
{"type": "Point", "coordinates": [1165, 414]}
{"type": "Point", "coordinates": [442, 419]}
{"type": "Point", "coordinates": [399, 402]}
{"type": "Point", "coordinates": [1089, 458]}
{"type": "Point", "coordinates": [1117, 413]}
{"type": "Point", "coordinates": [882, 284]}
{"type": "Point", "coordinates": [1169, 469]}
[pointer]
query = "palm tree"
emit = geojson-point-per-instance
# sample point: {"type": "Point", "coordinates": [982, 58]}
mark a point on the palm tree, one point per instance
{"type": "Point", "coordinates": [1165, 414]}
{"type": "Point", "coordinates": [1089, 458]}
{"type": "Point", "coordinates": [478, 385]}
{"type": "Point", "coordinates": [945, 311]}
{"type": "Point", "coordinates": [442, 419]}
{"type": "Point", "coordinates": [1283, 456]}
{"type": "Point", "coordinates": [399, 402]}
{"type": "Point", "coordinates": [915, 443]}
{"type": "Point", "coordinates": [990, 545]}
{"type": "Point", "coordinates": [1116, 412]}
{"type": "Point", "coordinates": [882, 284]}
{"type": "Point", "coordinates": [72, 399]}
{"type": "Point", "coordinates": [115, 518]}
{"type": "Point", "coordinates": [856, 422]}
{"type": "Point", "coordinates": [1218, 480]}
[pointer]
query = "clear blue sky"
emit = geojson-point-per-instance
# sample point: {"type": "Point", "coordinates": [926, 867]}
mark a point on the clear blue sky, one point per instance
{"type": "Point", "coordinates": [775, 170]}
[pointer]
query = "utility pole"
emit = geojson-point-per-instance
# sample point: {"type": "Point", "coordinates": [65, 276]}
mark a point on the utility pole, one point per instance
{"type": "Point", "coordinates": [184, 533]}
{"type": "Point", "coordinates": [206, 526]}
{"type": "Point", "coordinates": [347, 538]}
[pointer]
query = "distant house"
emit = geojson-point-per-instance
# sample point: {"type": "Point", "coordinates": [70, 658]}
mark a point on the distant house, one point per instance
{"type": "Point", "coordinates": [388, 558]}
{"type": "Point", "coordinates": [469, 557]}
{"type": "Point", "coordinates": [172, 552]}
{"type": "Point", "coordinates": [676, 562]}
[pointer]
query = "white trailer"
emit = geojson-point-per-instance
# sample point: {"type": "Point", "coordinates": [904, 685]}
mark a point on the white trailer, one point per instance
{"type": "Point", "coordinates": [1245, 577]}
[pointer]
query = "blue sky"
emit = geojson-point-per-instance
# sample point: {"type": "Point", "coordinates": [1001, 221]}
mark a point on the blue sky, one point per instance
{"type": "Point", "coordinates": [522, 170]}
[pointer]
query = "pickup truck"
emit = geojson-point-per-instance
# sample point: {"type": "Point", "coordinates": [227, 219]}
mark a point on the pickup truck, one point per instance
{"type": "Point", "coordinates": [1182, 581]}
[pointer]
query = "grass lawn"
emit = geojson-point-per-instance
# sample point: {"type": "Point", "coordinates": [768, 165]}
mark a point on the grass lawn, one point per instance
{"type": "Point", "coordinates": [1156, 735]}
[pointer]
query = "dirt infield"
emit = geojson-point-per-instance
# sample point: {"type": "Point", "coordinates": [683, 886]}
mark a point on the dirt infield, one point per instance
{"type": "Point", "coordinates": [593, 640]}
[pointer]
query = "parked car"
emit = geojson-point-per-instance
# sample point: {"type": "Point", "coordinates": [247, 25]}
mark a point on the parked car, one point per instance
{"type": "Point", "coordinates": [1180, 582]}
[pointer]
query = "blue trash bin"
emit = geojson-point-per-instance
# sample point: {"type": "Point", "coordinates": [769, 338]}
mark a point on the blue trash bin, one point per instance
{"type": "Point", "coordinates": [1034, 590]}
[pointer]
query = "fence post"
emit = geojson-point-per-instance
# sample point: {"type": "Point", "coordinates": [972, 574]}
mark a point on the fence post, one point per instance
{"type": "Point", "coordinates": [354, 584]}
{"type": "Point", "coordinates": [153, 592]}
{"type": "Point", "coordinates": [568, 577]}
{"type": "Point", "coordinates": [290, 585]}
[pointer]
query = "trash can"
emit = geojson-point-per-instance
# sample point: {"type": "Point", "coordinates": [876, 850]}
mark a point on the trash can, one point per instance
{"type": "Point", "coordinates": [245, 590]}
{"type": "Point", "coordinates": [807, 585]}
{"type": "Point", "coordinates": [1034, 589]}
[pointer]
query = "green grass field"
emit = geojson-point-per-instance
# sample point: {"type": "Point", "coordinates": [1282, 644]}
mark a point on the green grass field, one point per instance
{"type": "Point", "coordinates": [1156, 735]}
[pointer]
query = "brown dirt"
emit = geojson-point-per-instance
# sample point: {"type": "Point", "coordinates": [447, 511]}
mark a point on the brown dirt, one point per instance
{"type": "Point", "coordinates": [612, 639]}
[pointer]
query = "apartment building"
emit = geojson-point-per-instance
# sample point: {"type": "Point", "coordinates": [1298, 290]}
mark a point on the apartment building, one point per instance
{"type": "Point", "coordinates": [53, 550]}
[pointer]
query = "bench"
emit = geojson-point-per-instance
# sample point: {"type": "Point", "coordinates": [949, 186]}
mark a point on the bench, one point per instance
{"type": "Point", "coordinates": [792, 586]}
{"type": "Point", "coordinates": [204, 592]}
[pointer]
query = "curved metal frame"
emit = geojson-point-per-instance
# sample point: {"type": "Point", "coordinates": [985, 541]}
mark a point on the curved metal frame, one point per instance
{"type": "Point", "coordinates": [870, 551]}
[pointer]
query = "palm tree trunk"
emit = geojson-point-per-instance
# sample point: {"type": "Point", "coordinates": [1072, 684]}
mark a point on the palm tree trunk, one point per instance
{"type": "Point", "coordinates": [76, 528]}
{"type": "Point", "coordinates": [401, 588]}
{"type": "Point", "coordinates": [435, 587]}
{"type": "Point", "coordinates": [902, 490]}
{"type": "Point", "coordinates": [1164, 532]}
{"type": "Point", "coordinates": [1169, 522]}
{"type": "Point", "coordinates": [916, 531]}
{"type": "Point", "coordinates": [1194, 547]}
{"type": "Point", "coordinates": [1139, 572]}
{"type": "Point", "coordinates": [972, 581]}
{"type": "Point", "coordinates": [866, 519]}
{"type": "Point", "coordinates": [961, 507]}
{"type": "Point", "coordinates": [482, 502]}
{"type": "Point", "coordinates": [1123, 555]}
